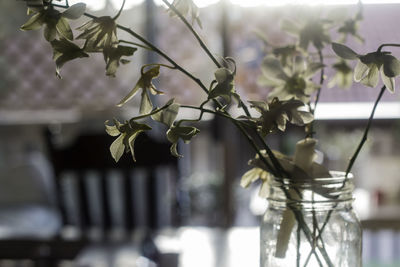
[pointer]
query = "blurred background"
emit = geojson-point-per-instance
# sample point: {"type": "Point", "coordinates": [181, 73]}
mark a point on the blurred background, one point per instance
{"type": "Point", "coordinates": [63, 197]}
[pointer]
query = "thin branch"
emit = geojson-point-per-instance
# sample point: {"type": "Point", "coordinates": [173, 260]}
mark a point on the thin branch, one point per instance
{"type": "Point", "coordinates": [120, 10]}
{"type": "Point", "coordinates": [365, 135]}
{"type": "Point", "coordinates": [321, 80]}
{"type": "Point", "coordinates": [310, 127]}
{"type": "Point", "coordinates": [165, 56]}
{"type": "Point", "coordinates": [135, 44]}
{"type": "Point", "coordinates": [196, 35]}
{"type": "Point", "coordinates": [298, 255]}
{"type": "Point", "coordinates": [384, 45]}
{"type": "Point", "coordinates": [200, 116]}
{"type": "Point", "coordinates": [158, 64]}
{"type": "Point", "coordinates": [353, 158]}
{"type": "Point", "coordinates": [149, 114]}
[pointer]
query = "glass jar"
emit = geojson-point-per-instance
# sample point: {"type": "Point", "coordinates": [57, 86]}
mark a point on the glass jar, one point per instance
{"type": "Point", "coordinates": [311, 223]}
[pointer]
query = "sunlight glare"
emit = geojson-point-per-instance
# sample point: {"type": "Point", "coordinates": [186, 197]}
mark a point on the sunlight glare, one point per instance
{"type": "Point", "coordinates": [128, 4]}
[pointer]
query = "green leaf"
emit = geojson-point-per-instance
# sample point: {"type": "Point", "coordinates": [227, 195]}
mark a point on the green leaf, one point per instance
{"type": "Point", "coordinates": [34, 23]}
{"type": "Point", "coordinates": [304, 154]}
{"type": "Point", "coordinates": [372, 58]}
{"type": "Point", "coordinates": [187, 8]}
{"type": "Point", "coordinates": [185, 133]}
{"type": "Point", "coordinates": [75, 11]}
{"type": "Point", "coordinates": [64, 29]}
{"type": "Point", "coordinates": [272, 69]}
{"type": "Point", "coordinates": [55, 25]}
{"type": "Point", "coordinates": [299, 64]}
{"type": "Point", "coordinates": [50, 31]}
{"type": "Point", "coordinates": [99, 33]}
{"type": "Point", "coordinates": [128, 133]}
{"type": "Point", "coordinates": [145, 104]}
{"type": "Point", "coordinates": [275, 115]}
{"type": "Point", "coordinates": [290, 27]}
{"type": "Point", "coordinates": [343, 77]}
{"type": "Point", "coordinates": [168, 115]}
{"type": "Point", "coordinates": [225, 86]}
{"type": "Point", "coordinates": [113, 57]}
{"type": "Point", "coordinates": [391, 66]}
{"type": "Point", "coordinates": [253, 175]}
{"type": "Point", "coordinates": [64, 51]}
{"type": "Point", "coordinates": [360, 71]}
{"type": "Point", "coordinates": [144, 83]}
{"type": "Point", "coordinates": [222, 74]}
{"type": "Point", "coordinates": [174, 150]}
{"type": "Point", "coordinates": [117, 148]}
{"type": "Point", "coordinates": [389, 82]}
{"type": "Point", "coordinates": [344, 51]}
{"type": "Point", "coordinates": [312, 68]}
{"type": "Point", "coordinates": [112, 129]}
{"type": "Point", "coordinates": [286, 163]}
{"type": "Point", "coordinates": [372, 78]}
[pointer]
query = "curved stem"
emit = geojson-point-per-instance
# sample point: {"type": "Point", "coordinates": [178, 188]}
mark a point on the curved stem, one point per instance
{"type": "Point", "coordinates": [204, 47]}
{"type": "Point", "coordinates": [149, 114]}
{"type": "Point", "coordinates": [310, 127]}
{"type": "Point", "coordinates": [158, 64]}
{"type": "Point", "coordinates": [384, 45]}
{"type": "Point", "coordinates": [120, 10]}
{"type": "Point", "coordinates": [196, 35]}
{"type": "Point", "coordinates": [135, 44]}
{"type": "Point", "coordinates": [242, 130]}
{"type": "Point", "coordinates": [200, 116]}
{"type": "Point", "coordinates": [365, 135]}
{"type": "Point", "coordinates": [354, 157]}
{"type": "Point", "coordinates": [165, 56]}
{"type": "Point", "coordinates": [321, 80]}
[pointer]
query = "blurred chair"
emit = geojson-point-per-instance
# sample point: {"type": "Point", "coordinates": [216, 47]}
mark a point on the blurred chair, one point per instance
{"type": "Point", "coordinates": [99, 201]}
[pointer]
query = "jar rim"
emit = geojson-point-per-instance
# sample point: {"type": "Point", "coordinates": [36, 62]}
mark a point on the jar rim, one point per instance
{"type": "Point", "coordinates": [337, 177]}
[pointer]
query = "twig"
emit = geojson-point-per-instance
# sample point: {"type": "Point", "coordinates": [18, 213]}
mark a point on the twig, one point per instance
{"type": "Point", "coordinates": [383, 45]}
{"type": "Point", "coordinates": [321, 80]}
{"type": "Point", "coordinates": [135, 44]}
{"type": "Point", "coordinates": [120, 10]}
{"type": "Point", "coordinates": [353, 158]}
{"type": "Point", "coordinates": [310, 129]}
{"type": "Point", "coordinates": [149, 114]}
{"type": "Point", "coordinates": [298, 246]}
{"type": "Point", "coordinates": [365, 135]}
{"type": "Point", "coordinates": [196, 35]}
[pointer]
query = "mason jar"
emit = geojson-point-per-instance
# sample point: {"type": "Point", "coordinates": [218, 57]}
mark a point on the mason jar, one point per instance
{"type": "Point", "coordinates": [311, 223]}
